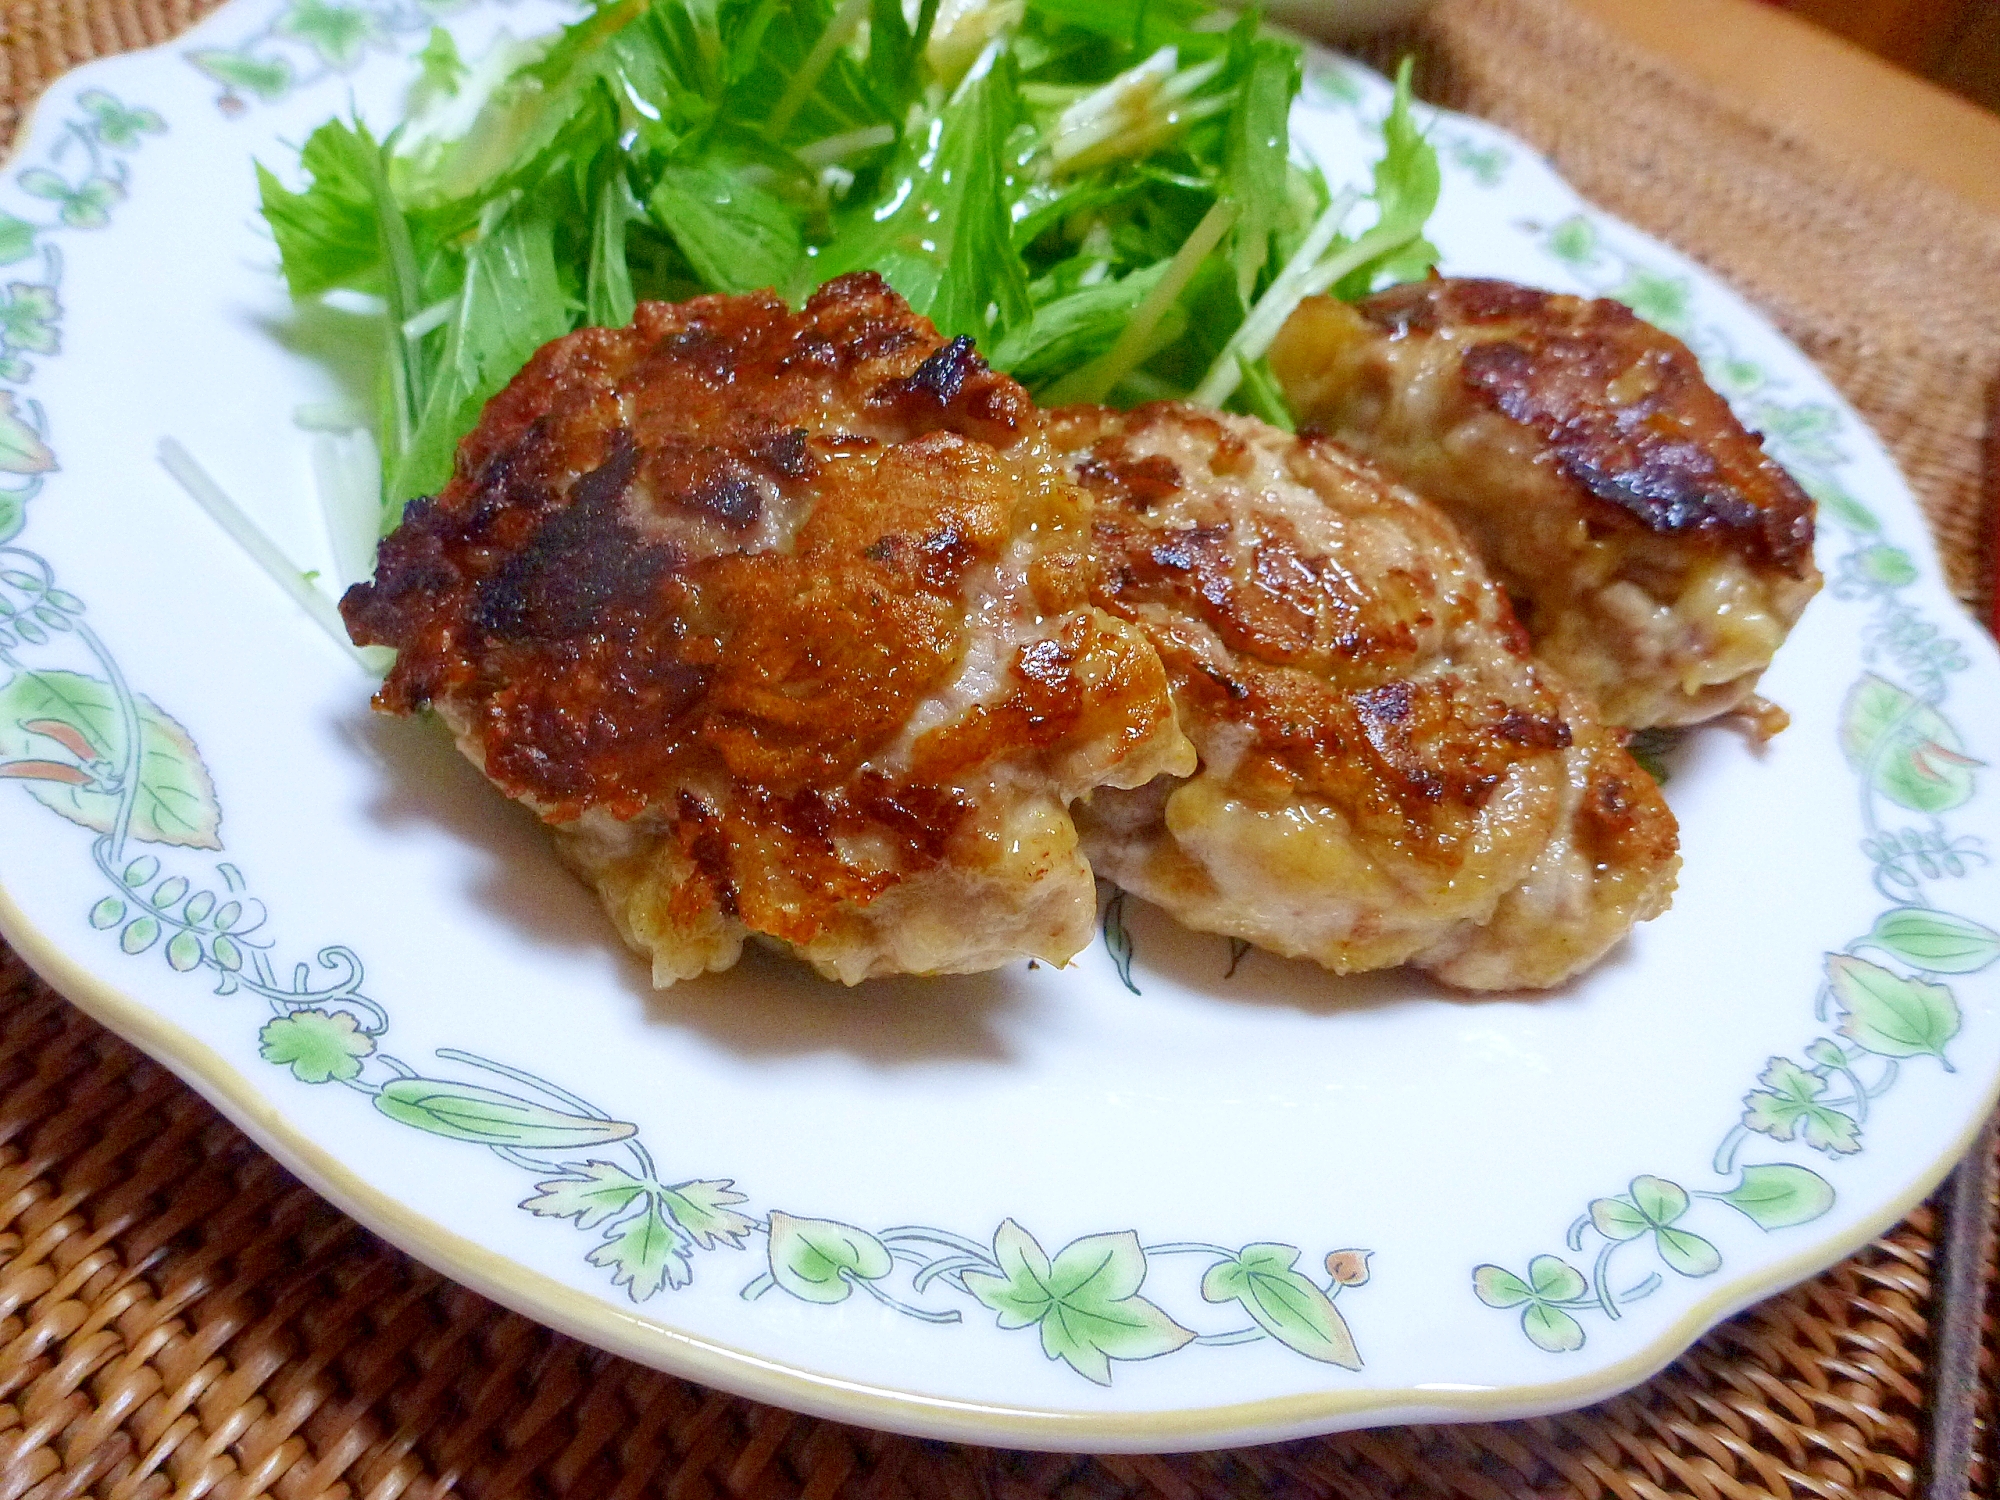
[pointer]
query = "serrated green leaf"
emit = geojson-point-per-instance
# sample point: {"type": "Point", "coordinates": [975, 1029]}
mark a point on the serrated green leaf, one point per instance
{"type": "Point", "coordinates": [813, 1258]}
{"type": "Point", "coordinates": [590, 1194]}
{"type": "Point", "coordinates": [1779, 1195]}
{"type": "Point", "coordinates": [737, 236]}
{"type": "Point", "coordinates": [1788, 1105]}
{"type": "Point", "coordinates": [643, 1255]}
{"type": "Point", "coordinates": [1936, 940]}
{"type": "Point", "coordinates": [702, 1209]}
{"type": "Point", "coordinates": [318, 1046]}
{"type": "Point", "coordinates": [1086, 1301]}
{"type": "Point", "coordinates": [1284, 1303]}
{"type": "Point", "coordinates": [176, 802]}
{"type": "Point", "coordinates": [467, 1112]}
{"type": "Point", "coordinates": [1889, 1015]}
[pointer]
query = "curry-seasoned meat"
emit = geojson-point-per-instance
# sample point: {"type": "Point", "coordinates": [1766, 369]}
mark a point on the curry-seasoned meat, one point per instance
{"type": "Point", "coordinates": [783, 621]}
{"type": "Point", "coordinates": [1386, 774]}
{"type": "Point", "coordinates": [1658, 555]}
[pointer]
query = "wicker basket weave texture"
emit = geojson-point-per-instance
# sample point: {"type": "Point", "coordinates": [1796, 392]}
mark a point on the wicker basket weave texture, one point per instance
{"type": "Point", "coordinates": [178, 1317]}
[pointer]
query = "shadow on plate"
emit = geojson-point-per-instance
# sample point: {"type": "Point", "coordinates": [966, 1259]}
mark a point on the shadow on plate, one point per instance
{"type": "Point", "coordinates": [767, 1006]}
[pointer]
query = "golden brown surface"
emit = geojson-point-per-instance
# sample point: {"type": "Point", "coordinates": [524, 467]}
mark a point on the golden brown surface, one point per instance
{"type": "Point", "coordinates": [782, 620]}
{"type": "Point", "coordinates": [1658, 556]}
{"type": "Point", "coordinates": [1386, 776]}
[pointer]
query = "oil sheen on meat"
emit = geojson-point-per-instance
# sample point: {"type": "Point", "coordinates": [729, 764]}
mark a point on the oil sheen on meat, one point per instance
{"type": "Point", "coordinates": [1658, 555]}
{"type": "Point", "coordinates": [1387, 776]}
{"type": "Point", "coordinates": [782, 620]}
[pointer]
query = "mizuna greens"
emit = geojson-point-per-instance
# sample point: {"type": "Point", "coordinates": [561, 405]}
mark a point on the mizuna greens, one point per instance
{"type": "Point", "coordinates": [1101, 192]}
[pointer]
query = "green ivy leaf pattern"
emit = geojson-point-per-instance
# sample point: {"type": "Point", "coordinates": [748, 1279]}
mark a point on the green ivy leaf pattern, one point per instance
{"type": "Point", "coordinates": [643, 1255]}
{"type": "Point", "coordinates": [590, 1194]}
{"type": "Point", "coordinates": [176, 801]}
{"type": "Point", "coordinates": [318, 1046]}
{"type": "Point", "coordinates": [819, 1260]}
{"type": "Point", "coordinates": [1286, 1304]}
{"type": "Point", "coordinates": [1889, 1015]}
{"type": "Point", "coordinates": [117, 125]}
{"type": "Point", "coordinates": [468, 1112]}
{"type": "Point", "coordinates": [1935, 940]}
{"type": "Point", "coordinates": [267, 78]}
{"type": "Point", "coordinates": [28, 318]}
{"type": "Point", "coordinates": [1788, 1106]}
{"type": "Point", "coordinates": [1086, 1301]}
{"type": "Point", "coordinates": [1552, 1286]}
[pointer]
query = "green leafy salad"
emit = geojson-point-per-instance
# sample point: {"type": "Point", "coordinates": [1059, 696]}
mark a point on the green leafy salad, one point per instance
{"type": "Point", "coordinates": [1102, 193]}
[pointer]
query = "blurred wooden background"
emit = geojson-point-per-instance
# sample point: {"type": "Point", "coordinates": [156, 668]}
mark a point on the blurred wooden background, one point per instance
{"type": "Point", "coordinates": [1952, 42]}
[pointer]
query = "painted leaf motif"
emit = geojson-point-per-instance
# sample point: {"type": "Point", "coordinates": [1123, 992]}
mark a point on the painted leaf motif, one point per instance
{"type": "Point", "coordinates": [467, 1112]}
{"type": "Point", "coordinates": [1284, 1303]}
{"type": "Point", "coordinates": [1498, 1287]}
{"type": "Point", "coordinates": [1689, 1254]}
{"type": "Point", "coordinates": [28, 318]}
{"type": "Point", "coordinates": [1788, 1105]}
{"type": "Point", "coordinates": [702, 1209]}
{"type": "Point", "coordinates": [1574, 240]}
{"type": "Point", "coordinates": [1889, 1015]}
{"type": "Point", "coordinates": [1617, 1219]}
{"type": "Point", "coordinates": [1086, 1300]}
{"type": "Point", "coordinates": [318, 1046]}
{"type": "Point", "coordinates": [1887, 565]}
{"type": "Point", "coordinates": [176, 802]}
{"type": "Point", "coordinates": [1936, 940]}
{"type": "Point", "coordinates": [1663, 301]}
{"type": "Point", "coordinates": [1835, 502]}
{"type": "Point", "coordinates": [1912, 755]}
{"type": "Point", "coordinates": [591, 1194]}
{"type": "Point", "coordinates": [1779, 1195]}
{"type": "Point", "coordinates": [813, 1258]}
{"type": "Point", "coordinates": [1552, 1329]}
{"type": "Point", "coordinates": [266, 77]}
{"type": "Point", "coordinates": [22, 450]}
{"type": "Point", "coordinates": [1661, 1201]}
{"type": "Point", "coordinates": [1555, 1280]}
{"type": "Point", "coordinates": [17, 239]}
{"type": "Point", "coordinates": [337, 32]}
{"type": "Point", "coordinates": [643, 1254]}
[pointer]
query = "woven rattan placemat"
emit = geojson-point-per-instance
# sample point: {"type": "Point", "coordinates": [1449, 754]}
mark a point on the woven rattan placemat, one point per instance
{"type": "Point", "coordinates": [179, 1317]}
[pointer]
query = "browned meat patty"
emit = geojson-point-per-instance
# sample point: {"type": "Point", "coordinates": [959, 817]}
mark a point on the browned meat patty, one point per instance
{"type": "Point", "coordinates": [1386, 775]}
{"type": "Point", "coordinates": [783, 621]}
{"type": "Point", "coordinates": [1657, 554]}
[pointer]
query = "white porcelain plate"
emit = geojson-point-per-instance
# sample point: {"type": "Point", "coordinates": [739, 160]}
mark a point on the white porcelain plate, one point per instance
{"type": "Point", "coordinates": [1169, 1197]}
